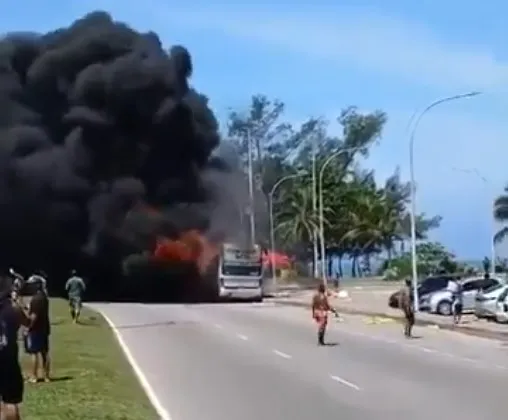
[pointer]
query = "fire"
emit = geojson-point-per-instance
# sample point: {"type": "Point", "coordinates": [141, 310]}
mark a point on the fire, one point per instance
{"type": "Point", "coordinates": [191, 247]}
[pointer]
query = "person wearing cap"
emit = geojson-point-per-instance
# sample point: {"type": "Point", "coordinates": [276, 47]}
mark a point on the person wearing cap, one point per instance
{"type": "Point", "coordinates": [75, 287]}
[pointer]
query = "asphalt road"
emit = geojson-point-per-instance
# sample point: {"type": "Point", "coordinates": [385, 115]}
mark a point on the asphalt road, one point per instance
{"type": "Point", "coordinates": [252, 361]}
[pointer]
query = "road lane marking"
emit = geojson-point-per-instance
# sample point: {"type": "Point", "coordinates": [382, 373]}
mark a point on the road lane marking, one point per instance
{"type": "Point", "coordinates": [242, 337]}
{"type": "Point", "coordinates": [282, 354]}
{"type": "Point", "coordinates": [152, 396]}
{"type": "Point", "coordinates": [344, 382]}
{"type": "Point", "coordinates": [459, 358]}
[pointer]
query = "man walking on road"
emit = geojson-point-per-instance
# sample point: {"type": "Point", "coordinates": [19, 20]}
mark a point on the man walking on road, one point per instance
{"type": "Point", "coordinates": [320, 309]}
{"type": "Point", "coordinates": [75, 288]}
{"type": "Point", "coordinates": [406, 304]}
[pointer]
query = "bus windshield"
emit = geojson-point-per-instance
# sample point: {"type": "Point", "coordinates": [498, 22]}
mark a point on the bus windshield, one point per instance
{"type": "Point", "coordinates": [241, 270]}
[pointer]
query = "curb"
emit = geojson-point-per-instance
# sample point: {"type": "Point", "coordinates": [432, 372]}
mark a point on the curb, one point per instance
{"type": "Point", "coordinates": [464, 329]}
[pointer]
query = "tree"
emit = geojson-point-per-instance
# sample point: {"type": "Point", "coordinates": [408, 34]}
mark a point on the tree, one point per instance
{"type": "Point", "coordinates": [432, 258]}
{"type": "Point", "coordinates": [501, 214]}
{"type": "Point", "coordinates": [362, 218]}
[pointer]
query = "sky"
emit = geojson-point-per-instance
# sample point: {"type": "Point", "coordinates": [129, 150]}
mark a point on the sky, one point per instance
{"type": "Point", "coordinates": [319, 57]}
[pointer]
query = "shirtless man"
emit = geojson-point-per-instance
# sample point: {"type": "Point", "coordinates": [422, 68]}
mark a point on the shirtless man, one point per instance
{"type": "Point", "coordinates": [320, 309]}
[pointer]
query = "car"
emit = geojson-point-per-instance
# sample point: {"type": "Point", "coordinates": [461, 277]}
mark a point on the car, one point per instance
{"type": "Point", "coordinates": [502, 307]}
{"type": "Point", "coordinates": [441, 302]}
{"type": "Point", "coordinates": [488, 302]}
{"type": "Point", "coordinates": [426, 287]}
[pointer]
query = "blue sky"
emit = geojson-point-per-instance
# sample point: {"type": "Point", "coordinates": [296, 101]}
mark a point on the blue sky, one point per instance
{"type": "Point", "coordinates": [320, 58]}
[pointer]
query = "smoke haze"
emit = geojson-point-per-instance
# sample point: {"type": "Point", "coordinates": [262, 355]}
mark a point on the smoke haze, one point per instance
{"type": "Point", "coordinates": [98, 127]}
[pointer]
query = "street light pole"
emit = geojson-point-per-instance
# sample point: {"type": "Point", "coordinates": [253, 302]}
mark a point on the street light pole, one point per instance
{"type": "Point", "coordinates": [321, 207]}
{"type": "Point", "coordinates": [314, 206]}
{"type": "Point", "coordinates": [477, 173]}
{"type": "Point", "coordinates": [272, 223]}
{"type": "Point", "coordinates": [252, 216]}
{"type": "Point", "coordinates": [412, 213]}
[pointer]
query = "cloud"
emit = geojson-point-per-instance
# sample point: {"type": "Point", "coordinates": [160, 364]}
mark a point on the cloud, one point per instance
{"type": "Point", "coordinates": [361, 39]}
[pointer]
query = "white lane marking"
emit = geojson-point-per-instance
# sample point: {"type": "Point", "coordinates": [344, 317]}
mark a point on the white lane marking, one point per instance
{"type": "Point", "coordinates": [242, 337]}
{"type": "Point", "coordinates": [468, 360]}
{"type": "Point", "coordinates": [344, 382]}
{"type": "Point", "coordinates": [282, 354]}
{"type": "Point", "coordinates": [218, 326]}
{"type": "Point", "coordinates": [152, 396]}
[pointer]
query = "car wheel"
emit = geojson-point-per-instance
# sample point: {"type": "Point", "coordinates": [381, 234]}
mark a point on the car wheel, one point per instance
{"type": "Point", "coordinates": [444, 308]}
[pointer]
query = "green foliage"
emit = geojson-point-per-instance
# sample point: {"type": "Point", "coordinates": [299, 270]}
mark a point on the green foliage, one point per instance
{"type": "Point", "coordinates": [362, 218]}
{"type": "Point", "coordinates": [432, 257]}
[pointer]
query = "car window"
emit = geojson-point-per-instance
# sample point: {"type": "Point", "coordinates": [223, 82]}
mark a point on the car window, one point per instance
{"type": "Point", "coordinates": [503, 295]}
{"type": "Point", "coordinates": [434, 283]}
{"type": "Point", "coordinates": [471, 285]}
{"type": "Point", "coordinates": [490, 285]}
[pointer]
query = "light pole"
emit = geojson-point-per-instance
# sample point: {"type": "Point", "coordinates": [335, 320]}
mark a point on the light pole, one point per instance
{"type": "Point", "coordinates": [314, 206]}
{"type": "Point", "coordinates": [251, 190]}
{"type": "Point", "coordinates": [477, 173]}
{"type": "Point", "coordinates": [272, 224]}
{"type": "Point", "coordinates": [412, 212]}
{"type": "Point", "coordinates": [321, 206]}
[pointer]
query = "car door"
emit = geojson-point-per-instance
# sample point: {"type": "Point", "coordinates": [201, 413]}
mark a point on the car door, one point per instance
{"type": "Point", "coordinates": [469, 290]}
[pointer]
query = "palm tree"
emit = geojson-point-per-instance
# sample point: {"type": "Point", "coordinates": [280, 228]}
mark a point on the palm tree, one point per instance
{"type": "Point", "coordinates": [296, 220]}
{"type": "Point", "coordinates": [501, 214]}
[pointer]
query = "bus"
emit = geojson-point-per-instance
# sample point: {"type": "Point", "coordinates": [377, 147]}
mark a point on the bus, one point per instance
{"type": "Point", "coordinates": [240, 272]}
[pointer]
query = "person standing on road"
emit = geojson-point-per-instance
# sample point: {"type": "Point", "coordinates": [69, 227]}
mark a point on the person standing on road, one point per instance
{"type": "Point", "coordinates": [37, 336]}
{"type": "Point", "coordinates": [320, 309]}
{"type": "Point", "coordinates": [75, 288]}
{"type": "Point", "coordinates": [406, 304]}
{"type": "Point", "coordinates": [12, 317]}
{"type": "Point", "coordinates": [457, 303]}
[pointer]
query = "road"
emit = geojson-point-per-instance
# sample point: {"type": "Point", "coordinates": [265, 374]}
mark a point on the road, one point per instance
{"type": "Point", "coordinates": [253, 361]}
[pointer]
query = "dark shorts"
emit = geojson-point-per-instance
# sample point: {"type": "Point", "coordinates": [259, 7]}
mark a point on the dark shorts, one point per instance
{"type": "Point", "coordinates": [457, 308]}
{"type": "Point", "coordinates": [11, 383]}
{"type": "Point", "coordinates": [36, 342]}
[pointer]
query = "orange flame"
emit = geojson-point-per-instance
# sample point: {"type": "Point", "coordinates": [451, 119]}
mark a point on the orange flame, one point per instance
{"type": "Point", "coordinates": [191, 247]}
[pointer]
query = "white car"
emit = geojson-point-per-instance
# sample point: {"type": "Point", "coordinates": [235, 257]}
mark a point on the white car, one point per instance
{"type": "Point", "coordinates": [488, 303]}
{"type": "Point", "coordinates": [441, 302]}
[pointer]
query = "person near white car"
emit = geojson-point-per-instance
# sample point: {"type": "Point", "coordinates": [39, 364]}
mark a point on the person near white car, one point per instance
{"type": "Point", "coordinates": [457, 303]}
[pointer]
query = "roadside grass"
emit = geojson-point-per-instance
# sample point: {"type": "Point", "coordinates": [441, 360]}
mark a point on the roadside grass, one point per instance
{"type": "Point", "coordinates": [92, 380]}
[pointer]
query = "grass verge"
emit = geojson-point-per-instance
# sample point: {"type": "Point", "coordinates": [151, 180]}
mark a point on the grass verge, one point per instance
{"type": "Point", "coordinates": [92, 378]}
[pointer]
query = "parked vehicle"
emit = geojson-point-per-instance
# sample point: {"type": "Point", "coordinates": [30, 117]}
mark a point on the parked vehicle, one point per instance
{"type": "Point", "coordinates": [426, 287]}
{"type": "Point", "coordinates": [441, 302]}
{"type": "Point", "coordinates": [489, 302]}
{"type": "Point", "coordinates": [502, 307]}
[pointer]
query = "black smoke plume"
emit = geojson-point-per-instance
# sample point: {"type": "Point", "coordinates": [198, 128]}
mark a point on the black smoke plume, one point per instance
{"type": "Point", "coordinates": [97, 124]}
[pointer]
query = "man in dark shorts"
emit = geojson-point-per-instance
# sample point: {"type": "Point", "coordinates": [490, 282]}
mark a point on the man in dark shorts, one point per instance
{"type": "Point", "coordinates": [37, 336]}
{"type": "Point", "coordinates": [12, 317]}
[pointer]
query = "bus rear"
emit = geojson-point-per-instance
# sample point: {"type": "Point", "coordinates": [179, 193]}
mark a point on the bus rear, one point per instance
{"type": "Point", "coordinates": [240, 272]}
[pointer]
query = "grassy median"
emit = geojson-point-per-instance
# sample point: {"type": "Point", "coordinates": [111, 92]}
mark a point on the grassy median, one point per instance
{"type": "Point", "coordinates": [92, 378]}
